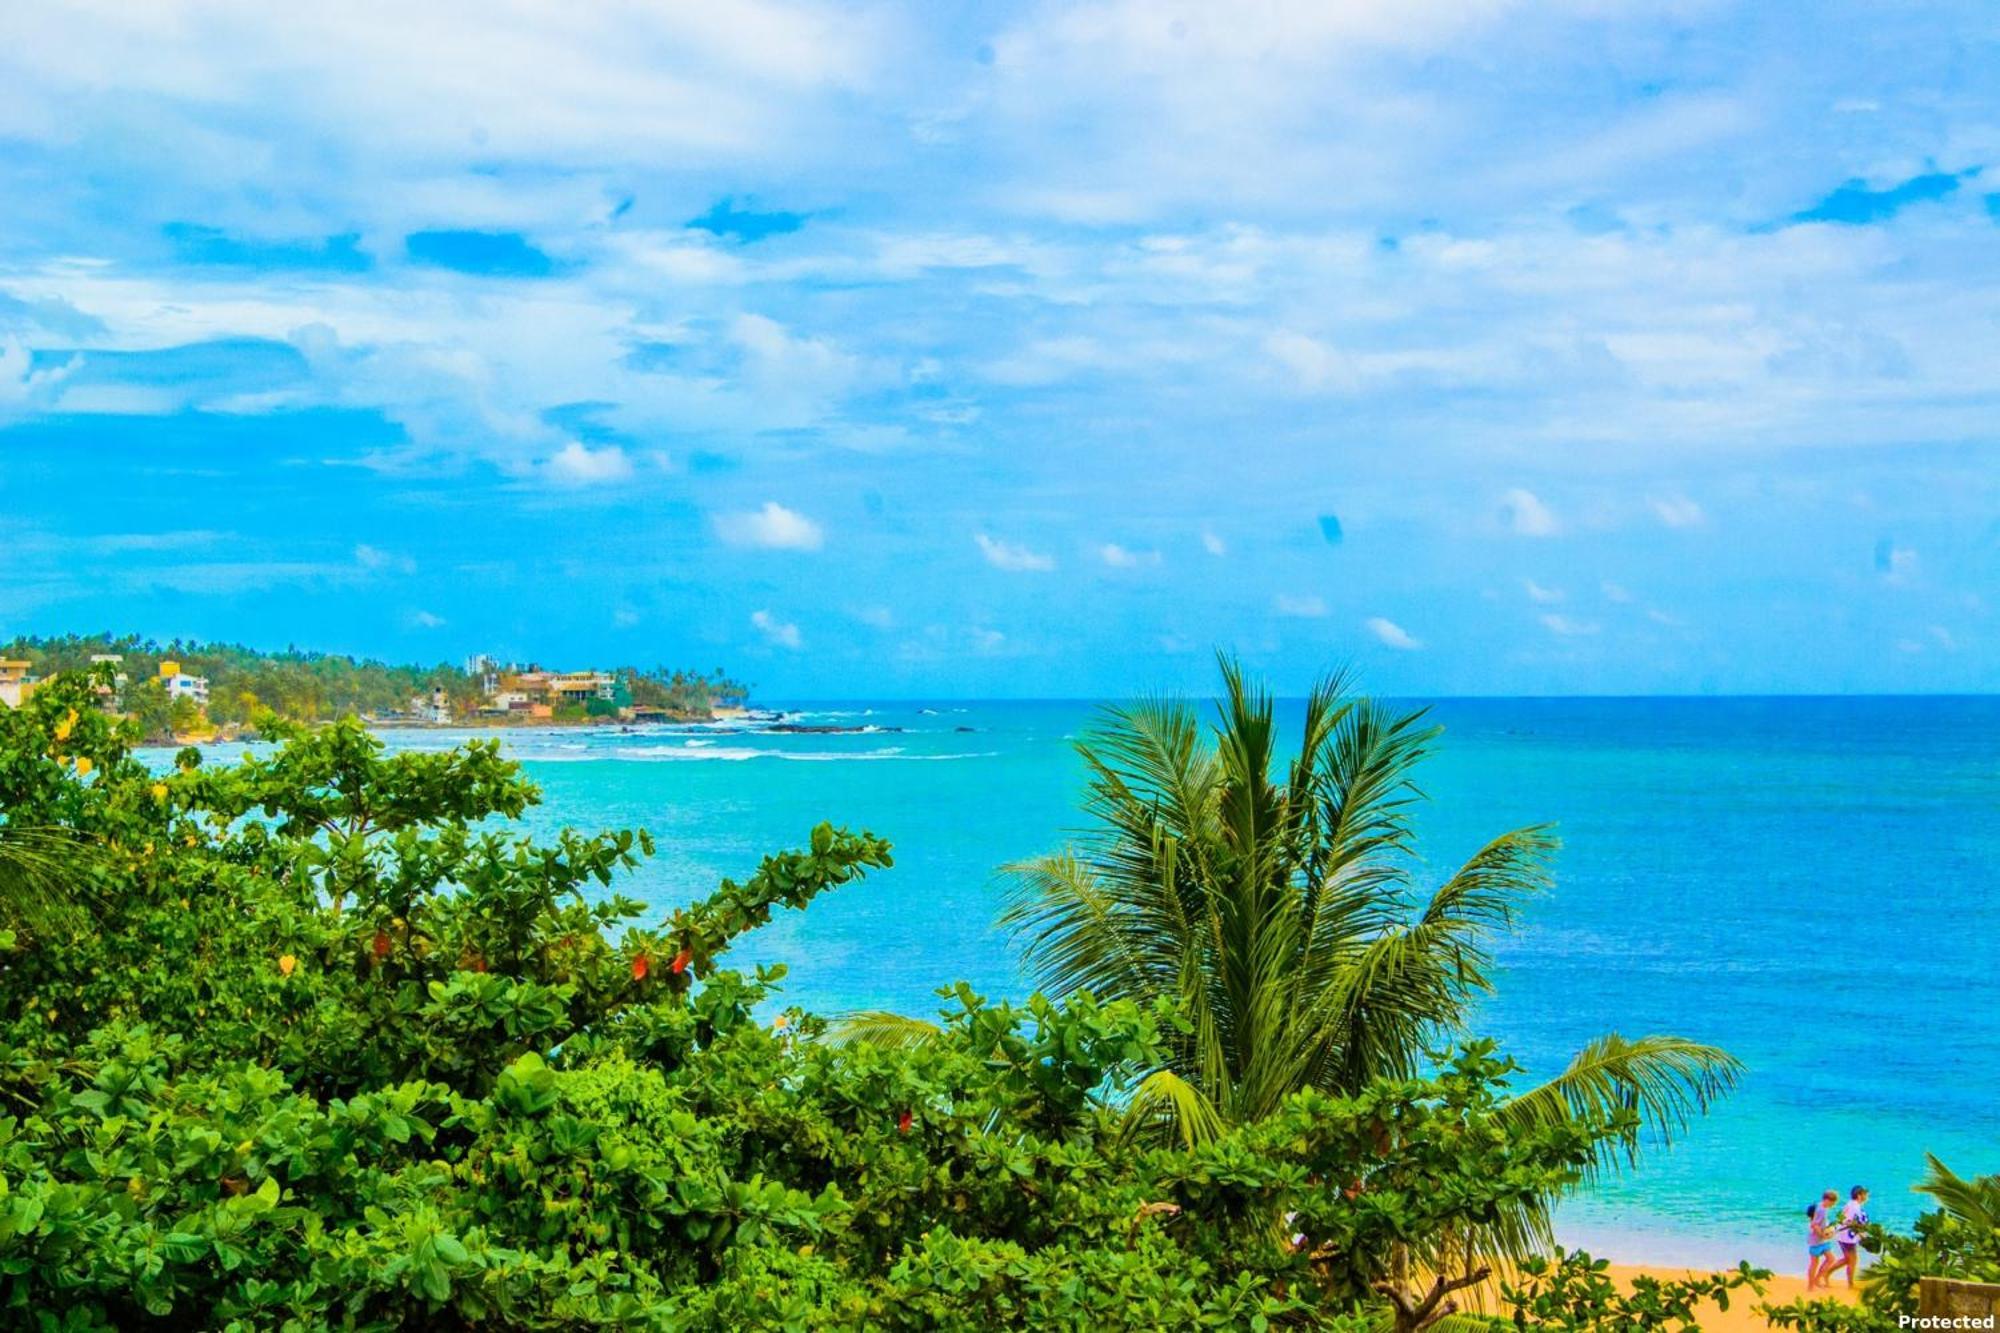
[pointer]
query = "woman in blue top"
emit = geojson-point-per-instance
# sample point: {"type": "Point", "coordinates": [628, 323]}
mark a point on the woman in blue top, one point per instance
{"type": "Point", "coordinates": [1820, 1227]}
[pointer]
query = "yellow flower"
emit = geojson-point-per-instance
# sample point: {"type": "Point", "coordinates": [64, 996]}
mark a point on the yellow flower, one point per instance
{"type": "Point", "coordinates": [159, 791]}
{"type": "Point", "coordinates": [66, 726]}
{"type": "Point", "coordinates": [286, 964]}
{"type": "Point", "coordinates": [84, 765]}
{"type": "Point", "coordinates": [782, 1022]}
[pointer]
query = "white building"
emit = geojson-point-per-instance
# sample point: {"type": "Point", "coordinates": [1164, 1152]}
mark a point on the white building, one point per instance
{"type": "Point", "coordinates": [180, 685]}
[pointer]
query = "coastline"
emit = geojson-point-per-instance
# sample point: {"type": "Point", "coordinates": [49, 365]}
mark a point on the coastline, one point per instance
{"type": "Point", "coordinates": [1742, 1315]}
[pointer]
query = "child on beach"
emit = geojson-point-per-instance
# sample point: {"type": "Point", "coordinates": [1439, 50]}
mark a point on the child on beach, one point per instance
{"type": "Point", "coordinates": [1820, 1228]}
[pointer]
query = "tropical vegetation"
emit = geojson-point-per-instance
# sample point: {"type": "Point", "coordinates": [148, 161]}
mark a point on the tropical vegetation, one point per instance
{"type": "Point", "coordinates": [319, 1040]}
{"type": "Point", "coordinates": [1270, 893]}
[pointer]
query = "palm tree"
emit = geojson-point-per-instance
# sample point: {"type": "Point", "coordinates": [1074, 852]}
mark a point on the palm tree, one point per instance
{"type": "Point", "coordinates": [1275, 900]}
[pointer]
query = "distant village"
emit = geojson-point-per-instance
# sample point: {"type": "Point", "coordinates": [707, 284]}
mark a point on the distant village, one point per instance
{"type": "Point", "coordinates": [192, 691]}
{"type": "Point", "coordinates": [512, 692]}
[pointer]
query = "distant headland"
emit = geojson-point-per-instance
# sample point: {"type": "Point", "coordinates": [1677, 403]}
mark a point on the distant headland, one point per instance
{"type": "Point", "coordinates": [189, 691]}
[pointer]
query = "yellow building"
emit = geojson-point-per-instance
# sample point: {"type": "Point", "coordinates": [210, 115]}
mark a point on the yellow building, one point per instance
{"type": "Point", "coordinates": [15, 682]}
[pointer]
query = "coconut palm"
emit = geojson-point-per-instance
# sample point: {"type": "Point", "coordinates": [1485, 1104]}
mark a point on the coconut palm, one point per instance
{"type": "Point", "coordinates": [1275, 899]}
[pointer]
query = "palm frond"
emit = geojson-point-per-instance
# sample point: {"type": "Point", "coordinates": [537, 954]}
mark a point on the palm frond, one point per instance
{"type": "Point", "coordinates": [1976, 1201]}
{"type": "Point", "coordinates": [1118, 937]}
{"type": "Point", "coordinates": [1481, 899]}
{"type": "Point", "coordinates": [1163, 1099]}
{"type": "Point", "coordinates": [879, 1028]}
{"type": "Point", "coordinates": [1665, 1081]}
{"type": "Point", "coordinates": [44, 872]}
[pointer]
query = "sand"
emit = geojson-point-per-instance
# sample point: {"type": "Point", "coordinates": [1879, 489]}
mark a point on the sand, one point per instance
{"type": "Point", "coordinates": [1742, 1316]}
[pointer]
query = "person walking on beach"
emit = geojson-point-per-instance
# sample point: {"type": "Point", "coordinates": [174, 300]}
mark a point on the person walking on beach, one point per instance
{"type": "Point", "coordinates": [1821, 1223]}
{"type": "Point", "coordinates": [1853, 1221]}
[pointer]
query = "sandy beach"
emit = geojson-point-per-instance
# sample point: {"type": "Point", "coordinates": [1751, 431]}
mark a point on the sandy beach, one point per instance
{"type": "Point", "coordinates": [1741, 1316]}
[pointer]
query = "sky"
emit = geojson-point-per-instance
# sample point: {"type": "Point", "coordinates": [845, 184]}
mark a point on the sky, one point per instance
{"type": "Point", "coordinates": [941, 349]}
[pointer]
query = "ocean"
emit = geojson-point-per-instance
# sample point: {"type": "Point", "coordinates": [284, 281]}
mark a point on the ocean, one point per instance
{"type": "Point", "coordinates": [1813, 884]}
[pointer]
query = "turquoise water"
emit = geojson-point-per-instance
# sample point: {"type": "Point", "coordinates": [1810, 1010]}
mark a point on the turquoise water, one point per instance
{"type": "Point", "coordinates": [1810, 883]}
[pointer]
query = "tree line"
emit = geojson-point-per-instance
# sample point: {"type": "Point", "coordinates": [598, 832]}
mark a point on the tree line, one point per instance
{"type": "Point", "coordinates": [299, 685]}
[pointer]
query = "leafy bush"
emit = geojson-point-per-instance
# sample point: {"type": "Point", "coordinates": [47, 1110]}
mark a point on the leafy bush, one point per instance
{"type": "Point", "coordinates": [323, 1045]}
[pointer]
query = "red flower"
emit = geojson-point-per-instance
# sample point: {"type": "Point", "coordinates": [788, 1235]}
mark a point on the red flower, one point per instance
{"type": "Point", "coordinates": [903, 1123]}
{"type": "Point", "coordinates": [381, 944]}
{"type": "Point", "coordinates": [640, 967]}
{"type": "Point", "coordinates": [681, 961]}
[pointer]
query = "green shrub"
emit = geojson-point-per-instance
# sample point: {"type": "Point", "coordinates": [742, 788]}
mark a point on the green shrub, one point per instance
{"type": "Point", "coordinates": [324, 1046]}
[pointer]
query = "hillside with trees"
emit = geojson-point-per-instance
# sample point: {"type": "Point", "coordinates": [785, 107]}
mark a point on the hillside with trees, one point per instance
{"type": "Point", "coordinates": [299, 685]}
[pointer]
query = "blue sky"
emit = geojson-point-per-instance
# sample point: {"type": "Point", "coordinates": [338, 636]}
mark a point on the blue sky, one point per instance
{"type": "Point", "coordinates": [1034, 349]}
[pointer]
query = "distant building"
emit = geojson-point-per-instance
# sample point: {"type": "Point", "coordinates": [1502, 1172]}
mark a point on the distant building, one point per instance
{"type": "Point", "coordinates": [581, 687]}
{"type": "Point", "coordinates": [180, 685]}
{"type": "Point", "coordinates": [534, 693]}
{"type": "Point", "coordinates": [436, 709]}
{"type": "Point", "coordinates": [485, 671]}
{"type": "Point", "coordinates": [110, 698]}
{"type": "Point", "coordinates": [15, 682]}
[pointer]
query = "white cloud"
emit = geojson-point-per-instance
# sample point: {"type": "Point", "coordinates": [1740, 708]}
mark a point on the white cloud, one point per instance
{"type": "Point", "coordinates": [1302, 608]}
{"type": "Point", "coordinates": [1537, 593]}
{"type": "Point", "coordinates": [1896, 564]}
{"type": "Point", "coordinates": [115, 543]}
{"type": "Point", "coordinates": [1392, 634]}
{"type": "Point", "coordinates": [1659, 617]}
{"type": "Point", "coordinates": [1566, 627]}
{"type": "Point", "coordinates": [634, 86]}
{"type": "Point", "coordinates": [1526, 515]}
{"type": "Point", "coordinates": [780, 633]}
{"type": "Point", "coordinates": [577, 464]}
{"type": "Point", "coordinates": [1120, 557]}
{"type": "Point", "coordinates": [1677, 511]}
{"type": "Point", "coordinates": [21, 385]}
{"type": "Point", "coordinates": [1315, 366]}
{"type": "Point", "coordinates": [1615, 592]}
{"type": "Point", "coordinates": [1212, 543]}
{"type": "Point", "coordinates": [785, 363]}
{"type": "Point", "coordinates": [426, 620]}
{"type": "Point", "coordinates": [376, 560]}
{"type": "Point", "coordinates": [876, 617]}
{"type": "Point", "coordinates": [772, 528]}
{"type": "Point", "coordinates": [1013, 557]}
